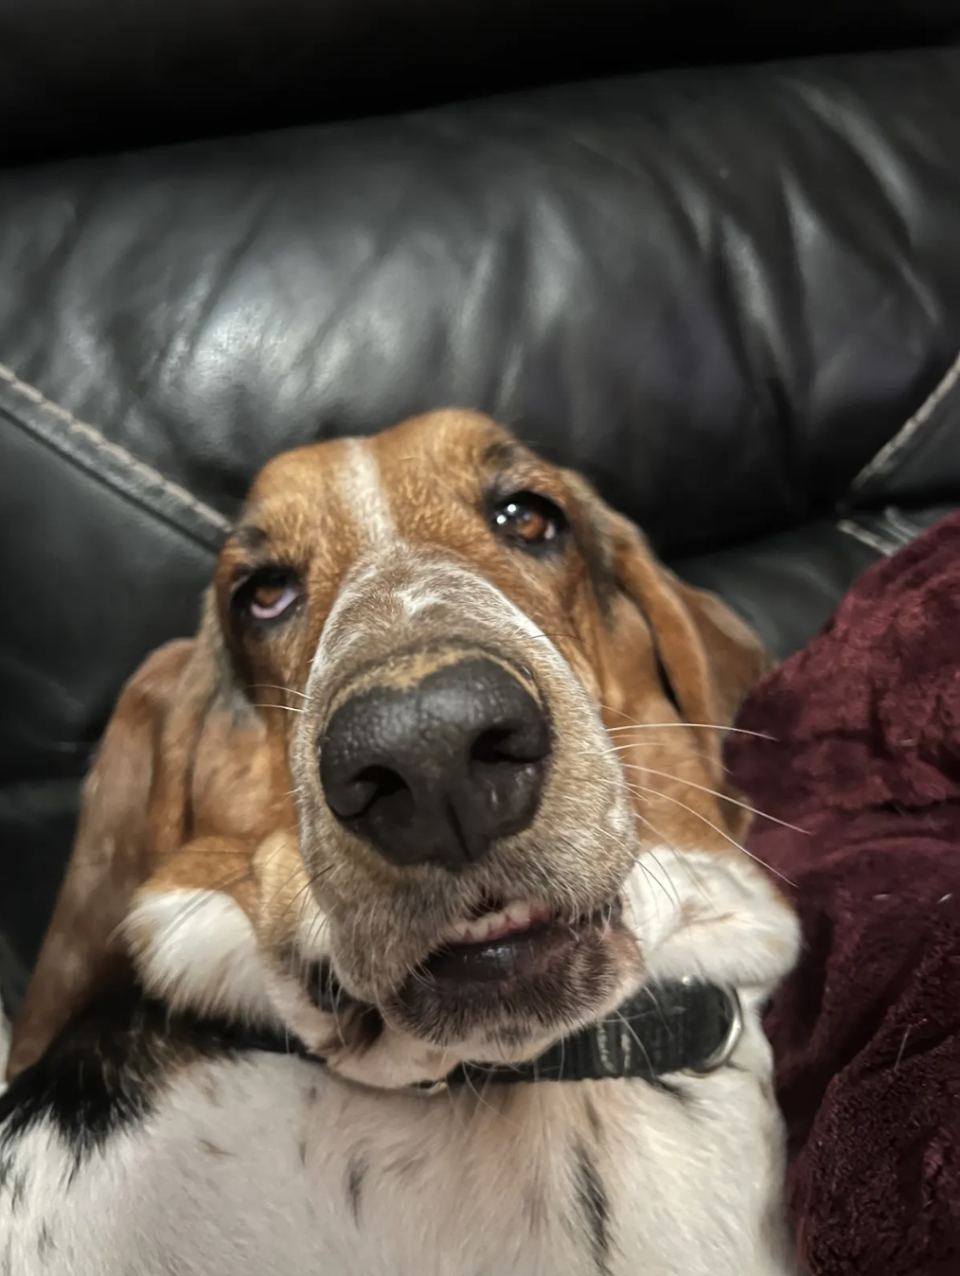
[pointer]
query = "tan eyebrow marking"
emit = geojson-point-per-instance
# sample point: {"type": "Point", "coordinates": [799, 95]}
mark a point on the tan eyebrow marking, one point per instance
{"type": "Point", "coordinates": [247, 538]}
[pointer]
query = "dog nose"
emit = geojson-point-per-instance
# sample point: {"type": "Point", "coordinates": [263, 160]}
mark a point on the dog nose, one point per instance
{"type": "Point", "coordinates": [438, 770]}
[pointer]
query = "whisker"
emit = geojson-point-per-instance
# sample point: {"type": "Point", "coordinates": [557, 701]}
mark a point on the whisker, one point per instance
{"type": "Point", "coordinates": [477, 1094]}
{"type": "Point", "coordinates": [674, 897]}
{"type": "Point", "coordinates": [657, 743]}
{"type": "Point", "coordinates": [193, 906]}
{"type": "Point", "coordinates": [707, 726]}
{"type": "Point", "coordinates": [275, 686]}
{"type": "Point", "coordinates": [643, 788]}
{"type": "Point", "coordinates": [665, 775]}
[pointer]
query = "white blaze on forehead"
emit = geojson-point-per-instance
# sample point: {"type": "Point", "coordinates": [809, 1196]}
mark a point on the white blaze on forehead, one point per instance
{"type": "Point", "coordinates": [361, 489]}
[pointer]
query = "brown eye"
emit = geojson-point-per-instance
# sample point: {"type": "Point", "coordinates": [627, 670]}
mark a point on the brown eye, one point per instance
{"type": "Point", "coordinates": [530, 521]}
{"type": "Point", "coordinates": [267, 595]}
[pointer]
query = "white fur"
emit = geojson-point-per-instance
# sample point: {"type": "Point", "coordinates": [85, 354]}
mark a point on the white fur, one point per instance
{"type": "Point", "coordinates": [693, 1183]}
{"type": "Point", "coordinates": [417, 598]}
{"type": "Point", "coordinates": [254, 1161]}
{"type": "Point", "coordinates": [362, 491]}
{"type": "Point", "coordinates": [712, 917]}
{"type": "Point", "coordinates": [197, 948]}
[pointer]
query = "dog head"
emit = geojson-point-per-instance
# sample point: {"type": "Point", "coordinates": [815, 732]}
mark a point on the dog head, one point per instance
{"type": "Point", "coordinates": [438, 779]}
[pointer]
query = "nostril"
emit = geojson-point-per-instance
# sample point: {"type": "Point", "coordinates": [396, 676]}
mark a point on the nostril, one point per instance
{"type": "Point", "coordinates": [518, 742]}
{"type": "Point", "coordinates": [495, 745]}
{"type": "Point", "coordinates": [389, 793]}
{"type": "Point", "coordinates": [356, 796]}
{"type": "Point", "coordinates": [381, 782]}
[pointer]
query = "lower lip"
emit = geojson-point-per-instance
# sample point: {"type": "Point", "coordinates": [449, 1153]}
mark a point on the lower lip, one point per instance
{"type": "Point", "coordinates": [524, 954]}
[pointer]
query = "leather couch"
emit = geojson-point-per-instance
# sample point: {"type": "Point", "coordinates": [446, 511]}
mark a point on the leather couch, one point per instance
{"type": "Point", "coordinates": [729, 291]}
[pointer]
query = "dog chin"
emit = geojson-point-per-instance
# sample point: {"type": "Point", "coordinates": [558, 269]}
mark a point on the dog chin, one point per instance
{"type": "Point", "coordinates": [500, 1000]}
{"type": "Point", "coordinates": [504, 999]}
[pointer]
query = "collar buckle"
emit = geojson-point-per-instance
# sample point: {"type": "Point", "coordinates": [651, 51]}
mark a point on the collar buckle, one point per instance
{"type": "Point", "coordinates": [728, 1045]}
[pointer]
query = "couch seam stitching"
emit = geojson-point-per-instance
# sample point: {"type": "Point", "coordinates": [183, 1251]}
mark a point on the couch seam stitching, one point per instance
{"type": "Point", "coordinates": [907, 530]}
{"type": "Point", "coordinates": [849, 528]}
{"type": "Point", "coordinates": [107, 447]}
{"type": "Point", "coordinates": [910, 427]}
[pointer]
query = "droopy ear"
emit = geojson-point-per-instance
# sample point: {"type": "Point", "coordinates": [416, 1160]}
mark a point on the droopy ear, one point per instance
{"type": "Point", "coordinates": [712, 658]}
{"type": "Point", "coordinates": [132, 813]}
{"type": "Point", "coordinates": [734, 657]}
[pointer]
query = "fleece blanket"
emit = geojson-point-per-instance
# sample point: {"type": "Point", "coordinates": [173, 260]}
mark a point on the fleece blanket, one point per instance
{"type": "Point", "coordinates": [858, 746]}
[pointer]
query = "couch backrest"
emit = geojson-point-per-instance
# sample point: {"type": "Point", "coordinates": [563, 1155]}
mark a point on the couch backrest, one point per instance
{"type": "Point", "coordinates": [105, 74]}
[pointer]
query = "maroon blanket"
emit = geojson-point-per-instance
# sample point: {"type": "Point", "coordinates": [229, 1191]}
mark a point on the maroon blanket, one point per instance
{"type": "Point", "coordinates": [866, 759]}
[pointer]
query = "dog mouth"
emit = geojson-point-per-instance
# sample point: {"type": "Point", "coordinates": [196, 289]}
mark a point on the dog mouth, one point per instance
{"type": "Point", "coordinates": [514, 974]}
{"type": "Point", "coordinates": [498, 978]}
{"type": "Point", "coordinates": [519, 942]}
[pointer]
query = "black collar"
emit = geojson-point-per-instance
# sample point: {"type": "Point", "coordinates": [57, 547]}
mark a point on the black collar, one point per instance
{"type": "Point", "coordinates": [682, 1026]}
{"type": "Point", "coordinates": [677, 1026]}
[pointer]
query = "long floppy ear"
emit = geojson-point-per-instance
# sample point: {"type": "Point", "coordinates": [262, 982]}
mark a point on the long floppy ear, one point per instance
{"type": "Point", "coordinates": [710, 656]}
{"type": "Point", "coordinates": [713, 659]}
{"type": "Point", "coordinates": [189, 780]}
{"type": "Point", "coordinates": [133, 813]}
{"type": "Point", "coordinates": [151, 790]}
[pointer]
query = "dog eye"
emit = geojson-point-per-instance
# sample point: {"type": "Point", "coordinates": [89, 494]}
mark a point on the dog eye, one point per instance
{"type": "Point", "coordinates": [529, 520]}
{"type": "Point", "coordinates": [267, 594]}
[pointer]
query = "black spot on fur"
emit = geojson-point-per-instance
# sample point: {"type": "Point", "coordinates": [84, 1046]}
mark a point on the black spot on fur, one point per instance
{"type": "Point", "coordinates": [303, 1151]}
{"type": "Point", "coordinates": [408, 1167]}
{"type": "Point", "coordinates": [107, 1071]}
{"type": "Point", "coordinates": [213, 1149]}
{"type": "Point", "coordinates": [594, 1205]}
{"type": "Point", "coordinates": [312, 1094]}
{"type": "Point", "coordinates": [211, 1092]}
{"type": "Point", "coordinates": [6, 1172]}
{"type": "Point", "coordinates": [323, 987]}
{"type": "Point", "coordinates": [18, 1191]}
{"type": "Point", "coordinates": [356, 1173]}
{"type": "Point", "coordinates": [535, 1208]}
{"type": "Point", "coordinates": [593, 1117]}
{"type": "Point", "coordinates": [45, 1242]}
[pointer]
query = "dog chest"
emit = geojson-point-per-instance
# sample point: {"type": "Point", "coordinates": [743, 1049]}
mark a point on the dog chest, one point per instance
{"type": "Point", "coordinates": [269, 1165]}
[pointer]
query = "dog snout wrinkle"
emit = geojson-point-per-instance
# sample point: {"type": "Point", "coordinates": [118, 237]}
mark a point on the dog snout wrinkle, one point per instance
{"type": "Point", "coordinates": [437, 771]}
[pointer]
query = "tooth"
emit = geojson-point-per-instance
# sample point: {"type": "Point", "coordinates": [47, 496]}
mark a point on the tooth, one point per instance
{"type": "Point", "coordinates": [519, 915]}
{"type": "Point", "coordinates": [514, 917]}
{"type": "Point", "coordinates": [495, 923]}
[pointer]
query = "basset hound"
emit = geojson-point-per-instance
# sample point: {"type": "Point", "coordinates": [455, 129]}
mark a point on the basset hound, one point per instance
{"type": "Point", "coordinates": [408, 930]}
